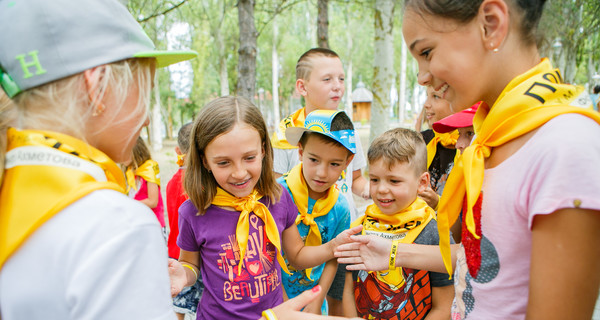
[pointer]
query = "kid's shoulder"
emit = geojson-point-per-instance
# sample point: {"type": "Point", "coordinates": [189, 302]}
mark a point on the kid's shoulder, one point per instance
{"type": "Point", "coordinates": [187, 209]}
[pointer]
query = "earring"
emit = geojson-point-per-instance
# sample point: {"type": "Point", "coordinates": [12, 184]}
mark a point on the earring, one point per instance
{"type": "Point", "coordinates": [99, 109]}
{"type": "Point", "coordinates": [495, 50]}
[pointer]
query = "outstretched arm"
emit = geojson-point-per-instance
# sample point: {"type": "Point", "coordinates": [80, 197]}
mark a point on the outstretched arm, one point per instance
{"type": "Point", "coordinates": [302, 257]}
{"type": "Point", "coordinates": [373, 253]}
{"type": "Point", "coordinates": [185, 272]}
{"type": "Point", "coordinates": [565, 260]}
{"type": "Point", "coordinates": [290, 310]}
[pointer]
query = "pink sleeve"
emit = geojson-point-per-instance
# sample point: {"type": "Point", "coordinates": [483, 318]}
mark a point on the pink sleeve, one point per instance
{"type": "Point", "coordinates": [566, 168]}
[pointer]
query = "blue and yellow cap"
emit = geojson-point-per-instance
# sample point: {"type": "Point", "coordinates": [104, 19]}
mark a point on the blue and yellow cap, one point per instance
{"type": "Point", "coordinates": [320, 121]}
{"type": "Point", "coordinates": [47, 40]}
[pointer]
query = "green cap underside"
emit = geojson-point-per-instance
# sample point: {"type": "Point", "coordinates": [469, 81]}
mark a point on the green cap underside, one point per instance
{"type": "Point", "coordinates": [167, 58]}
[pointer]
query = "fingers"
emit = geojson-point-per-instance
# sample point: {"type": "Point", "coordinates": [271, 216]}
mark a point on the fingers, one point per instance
{"type": "Point", "coordinates": [354, 267]}
{"type": "Point", "coordinates": [354, 230]}
{"type": "Point", "coordinates": [299, 302]}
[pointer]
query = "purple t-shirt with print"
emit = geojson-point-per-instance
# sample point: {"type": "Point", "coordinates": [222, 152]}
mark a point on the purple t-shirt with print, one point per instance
{"type": "Point", "coordinates": [228, 295]}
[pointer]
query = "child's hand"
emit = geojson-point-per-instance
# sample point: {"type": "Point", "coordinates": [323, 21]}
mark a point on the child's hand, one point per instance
{"type": "Point", "coordinates": [370, 253]}
{"type": "Point", "coordinates": [345, 236]}
{"type": "Point", "coordinates": [430, 197]}
{"type": "Point", "coordinates": [290, 310]}
{"type": "Point", "coordinates": [178, 277]}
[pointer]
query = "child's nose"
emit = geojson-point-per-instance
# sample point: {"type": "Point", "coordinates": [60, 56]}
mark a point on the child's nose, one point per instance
{"type": "Point", "coordinates": [239, 172]}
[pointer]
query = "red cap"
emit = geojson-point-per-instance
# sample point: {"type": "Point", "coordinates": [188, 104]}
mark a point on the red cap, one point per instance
{"type": "Point", "coordinates": [457, 120]}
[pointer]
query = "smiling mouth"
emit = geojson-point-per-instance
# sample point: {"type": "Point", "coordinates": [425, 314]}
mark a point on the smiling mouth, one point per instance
{"type": "Point", "coordinates": [385, 202]}
{"type": "Point", "coordinates": [240, 184]}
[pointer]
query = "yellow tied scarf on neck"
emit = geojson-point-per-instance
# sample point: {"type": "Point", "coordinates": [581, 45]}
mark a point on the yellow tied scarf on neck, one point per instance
{"type": "Point", "coordinates": [528, 102]}
{"type": "Point", "coordinates": [246, 205]}
{"type": "Point", "coordinates": [446, 139]}
{"type": "Point", "coordinates": [297, 184]}
{"type": "Point", "coordinates": [296, 119]}
{"type": "Point", "coordinates": [46, 172]}
{"type": "Point", "coordinates": [148, 171]}
{"type": "Point", "coordinates": [406, 225]}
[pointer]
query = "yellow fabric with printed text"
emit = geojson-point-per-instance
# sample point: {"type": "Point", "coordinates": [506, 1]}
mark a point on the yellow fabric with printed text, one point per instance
{"type": "Point", "coordinates": [245, 206]}
{"type": "Point", "coordinates": [148, 171]}
{"type": "Point", "coordinates": [296, 119]}
{"type": "Point", "coordinates": [297, 184]}
{"type": "Point", "coordinates": [407, 223]}
{"type": "Point", "coordinates": [526, 103]}
{"type": "Point", "coordinates": [31, 194]}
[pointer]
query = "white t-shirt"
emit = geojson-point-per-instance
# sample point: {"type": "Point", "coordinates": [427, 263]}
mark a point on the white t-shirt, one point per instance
{"type": "Point", "coordinates": [285, 159]}
{"type": "Point", "coordinates": [102, 257]}
{"type": "Point", "coordinates": [555, 169]}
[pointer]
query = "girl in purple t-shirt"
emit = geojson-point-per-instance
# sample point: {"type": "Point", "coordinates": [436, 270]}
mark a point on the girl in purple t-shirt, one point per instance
{"type": "Point", "coordinates": [237, 220]}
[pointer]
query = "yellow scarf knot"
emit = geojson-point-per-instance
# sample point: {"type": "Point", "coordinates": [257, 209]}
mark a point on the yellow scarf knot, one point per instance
{"type": "Point", "coordinates": [298, 187]}
{"type": "Point", "coordinates": [246, 205]}
{"type": "Point", "coordinates": [526, 103]}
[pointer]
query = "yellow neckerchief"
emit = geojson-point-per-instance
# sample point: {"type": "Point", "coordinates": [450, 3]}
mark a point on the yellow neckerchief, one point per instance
{"type": "Point", "coordinates": [406, 225]}
{"type": "Point", "coordinates": [45, 172]}
{"type": "Point", "coordinates": [528, 102]}
{"type": "Point", "coordinates": [180, 159]}
{"type": "Point", "coordinates": [299, 189]}
{"type": "Point", "coordinates": [446, 139]}
{"type": "Point", "coordinates": [296, 119]}
{"type": "Point", "coordinates": [246, 205]}
{"type": "Point", "coordinates": [148, 171]}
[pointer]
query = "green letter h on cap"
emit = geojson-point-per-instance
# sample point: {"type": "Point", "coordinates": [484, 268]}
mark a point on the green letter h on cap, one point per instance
{"type": "Point", "coordinates": [34, 63]}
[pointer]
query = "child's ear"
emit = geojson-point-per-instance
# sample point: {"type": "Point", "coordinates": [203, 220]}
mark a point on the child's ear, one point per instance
{"type": "Point", "coordinates": [300, 152]}
{"type": "Point", "coordinates": [493, 18]}
{"type": "Point", "coordinates": [177, 150]}
{"type": "Point", "coordinates": [350, 158]}
{"type": "Point", "coordinates": [300, 87]}
{"type": "Point", "coordinates": [423, 182]}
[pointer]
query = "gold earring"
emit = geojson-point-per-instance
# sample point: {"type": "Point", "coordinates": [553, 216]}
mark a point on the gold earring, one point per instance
{"type": "Point", "coordinates": [99, 109]}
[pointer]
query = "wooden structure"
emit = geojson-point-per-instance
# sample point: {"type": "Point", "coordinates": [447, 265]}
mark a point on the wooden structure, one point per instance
{"type": "Point", "coordinates": [361, 103]}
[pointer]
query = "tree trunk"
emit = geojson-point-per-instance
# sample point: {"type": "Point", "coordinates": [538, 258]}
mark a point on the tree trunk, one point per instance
{"type": "Point", "coordinates": [323, 24]}
{"type": "Point", "coordinates": [402, 99]}
{"type": "Point", "coordinates": [223, 76]}
{"type": "Point", "coordinates": [247, 51]}
{"type": "Point", "coordinates": [349, 44]}
{"type": "Point", "coordinates": [275, 74]}
{"type": "Point", "coordinates": [156, 119]}
{"type": "Point", "coordinates": [383, 67]}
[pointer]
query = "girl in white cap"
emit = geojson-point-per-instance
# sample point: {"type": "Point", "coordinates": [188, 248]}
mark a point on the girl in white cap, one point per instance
{"type": "Point", "coordinates": [72, 244]}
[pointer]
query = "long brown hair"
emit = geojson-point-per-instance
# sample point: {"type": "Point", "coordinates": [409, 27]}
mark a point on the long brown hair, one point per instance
{"type": "Point", "coordinates": [216, 118]}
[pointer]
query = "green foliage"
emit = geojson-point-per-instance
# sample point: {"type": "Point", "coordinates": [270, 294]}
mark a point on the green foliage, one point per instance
{"type": "Point", "coordinates": [575, 22]}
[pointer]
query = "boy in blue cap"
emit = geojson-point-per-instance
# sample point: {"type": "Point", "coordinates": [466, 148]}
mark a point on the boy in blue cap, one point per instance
{"type": "Point", "coordinates": [326, 145]}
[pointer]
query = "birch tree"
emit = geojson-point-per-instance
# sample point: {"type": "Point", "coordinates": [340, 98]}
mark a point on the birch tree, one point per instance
{"type": "Point", "coordinates": [383, 66]}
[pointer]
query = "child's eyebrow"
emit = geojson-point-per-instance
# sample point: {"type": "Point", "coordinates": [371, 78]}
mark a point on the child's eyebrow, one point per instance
{"type": "Point", "coordinates": [412, 45]}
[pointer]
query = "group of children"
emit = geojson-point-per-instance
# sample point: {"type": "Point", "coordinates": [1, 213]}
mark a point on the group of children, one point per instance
{"type": "Point", "coordinates": [260, 220]}
{"type": "Point", "coordinates": [318, 146]}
